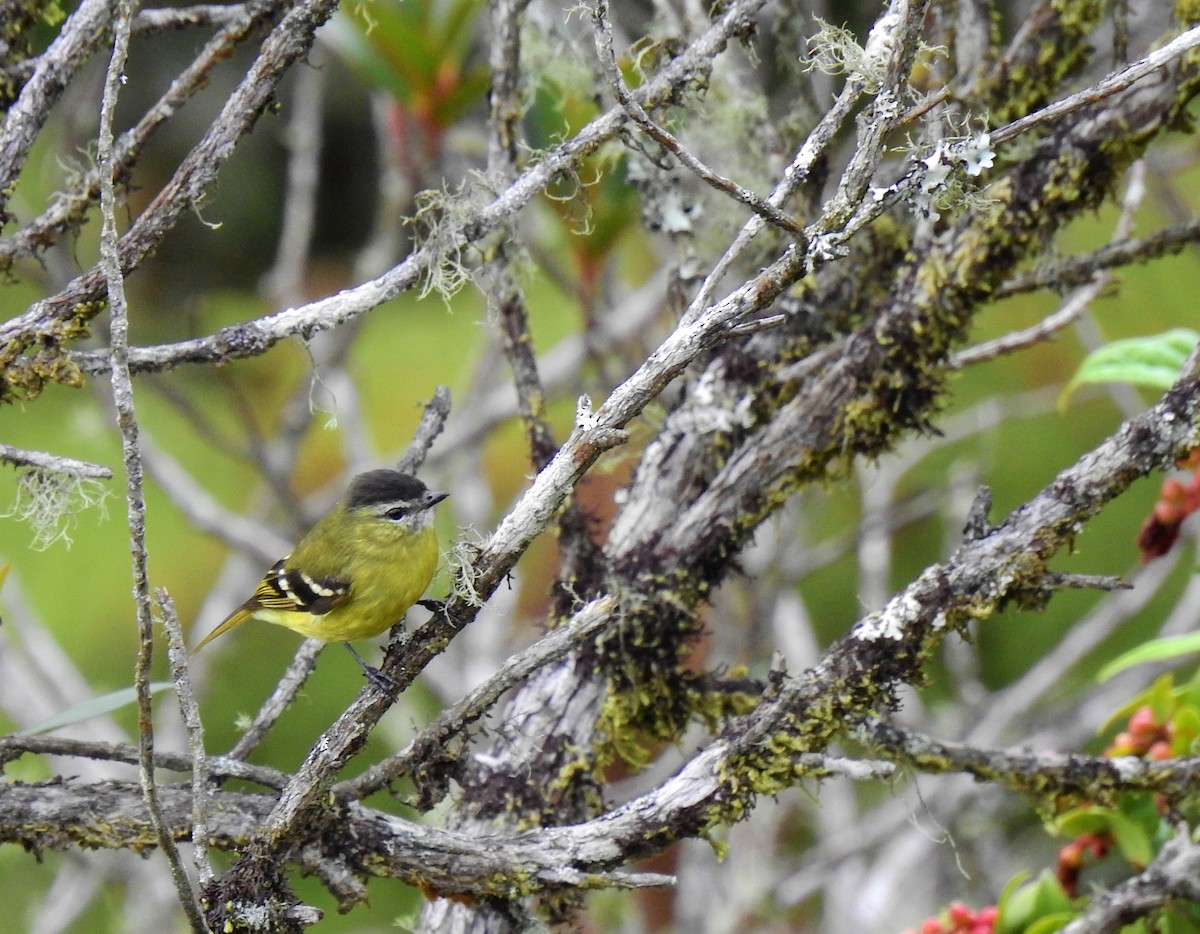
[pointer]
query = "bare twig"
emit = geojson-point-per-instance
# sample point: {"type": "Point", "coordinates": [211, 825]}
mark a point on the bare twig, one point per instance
{"type": "Point", "coordinates": [131, 457]}
{"type": "Point", "coordinates": [1064, 316]}
{"type": "Point", "coordinates": [1077, 304]}
{"type": "Point", "coordinates": [148, 22]}
{"type": "Point", "coordinates": [255, 337]}
{"type": "Point", "coordinates": [433, 420]}
{"type": "Point", "coordinates": [1119, 81]}
{"type": "Point", "coordinates": [1052, 774]}
{"type": "Point", "coordinates": [587, 622]}
{"type": "Point", "coordinates": [291, 39]}
{"type": "Point", "coordinates": [503, 292]}
{"type": "Point", "coordinates": [54, 463]}
{"type": "Point", "coordinates": [67, 210]}
{"type": "Point", "coordinates": [608, 64]}
{"type": "Point", "coordinates": [285, 281]}
{"type": "Point", "coordinates": [223, 767]}
{"type": "Point", "coordinates": [1171, 876]}
{"type": "Point", "coordinates": [70, 49]}
{"type": "Point", "coordinates": [190, 711]}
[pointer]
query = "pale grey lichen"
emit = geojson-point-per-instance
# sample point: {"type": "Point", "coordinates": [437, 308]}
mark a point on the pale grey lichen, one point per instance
{"type": "Point", "coordinates": [51, 503]}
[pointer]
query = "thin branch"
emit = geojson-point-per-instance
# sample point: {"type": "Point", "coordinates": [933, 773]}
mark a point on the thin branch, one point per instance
{"type": "Point", "coordinates": [251, 338]}
{"type": "Point", "coordinates": [285, 280]}
{"type": "Point", "coordinates": [1119, 81]}
{"type": "Point", "coordinates": [1077, 304]}
{"type": "Point", "coordinates": [1171, 876]}
{"type": "Point", "coordinates": [202, 510]}
{"type": "Point", "coordinates": [1067, 314]}
{"type": "Point", "coordinates": [433, 421]}
{"type": "Point", "coordinates": [504, 296]}
{"type": "Point", "coordinates": [66, 211]}
{"type": "Point", "coordinates": [71, 48]}
{"type": "Point", "coordinates": [225, 767]}
{"type": "Point", "coordinates": [290, 39]}
{"type": "Point", "coordinates": [422, 750]}
{"type": "Point", "coordinates": [53, 463]}
{"type": "Point", "coordinates": [1048, 774]}
{"type": "Point", "coordinates": [131, 457]}
{"type": "Point", "coordinates": [190, 711]}
{"type": "Point", "coordinates": [1079, 270]}
{"type": "Point", "coordinates": [149, 22]}
{"type": "Point", "coordinates": [889, 32]}
{"type": "Point", "coordinates": [608, 64]}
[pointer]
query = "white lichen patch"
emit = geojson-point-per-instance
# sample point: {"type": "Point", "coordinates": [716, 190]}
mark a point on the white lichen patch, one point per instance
{"type": "Point", "coordinates": [890, 622]}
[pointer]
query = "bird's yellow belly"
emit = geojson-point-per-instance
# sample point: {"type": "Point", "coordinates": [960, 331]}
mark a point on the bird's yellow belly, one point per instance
{"type": "Point", "coordinates": [392, 587]}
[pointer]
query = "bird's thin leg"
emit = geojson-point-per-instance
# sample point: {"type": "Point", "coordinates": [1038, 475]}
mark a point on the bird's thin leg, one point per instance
{"type": "Point", "coordinates": [377, 678]}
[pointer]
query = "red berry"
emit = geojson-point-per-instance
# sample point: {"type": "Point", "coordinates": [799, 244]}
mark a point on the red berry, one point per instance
{"type": "Point", "coordinates": [1142, 726]}
{"type": "Point", "coordinates": [1156, 538]}
{"type": "Point", "coordinates": [1168, 512]}
{"type": "Point", "coordinates": [1160, 751]}
{"type": "Point", "coordinates": [1071, 856]}
{"type": "Point", "coordinates": [1142, 717]}
{"type": "Point", "coordinates": [1124, 744]}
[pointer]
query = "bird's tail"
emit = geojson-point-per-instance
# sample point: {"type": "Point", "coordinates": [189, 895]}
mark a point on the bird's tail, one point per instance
{"type": "Point", "coordinates": [233, 620]}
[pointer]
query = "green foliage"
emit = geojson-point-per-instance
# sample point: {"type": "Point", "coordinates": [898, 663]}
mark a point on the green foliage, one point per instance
{"type": "Point", "coordinates": [1175, 711]}
{"type": "Point", "coordinates": [1147, 362]}
{"type": "Point", "coordinates": [1156, 650]}
{"type": "Point", "coordinates": [1134, 825]}
{"type": "Point", "coordinates": [1039, 906]}
{"type": "Point", "coordinates": [418, 51]}
{"type": "Point", "coordinates": [596, 206]}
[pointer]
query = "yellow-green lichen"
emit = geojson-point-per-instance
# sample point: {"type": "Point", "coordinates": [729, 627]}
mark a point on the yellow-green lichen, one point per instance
{"type": "Point", "coordinates": [23, 375]}
{"type": "Point", "coordinates": [1056, 49]}
{"type": "Point", "coordinates": [1187, 12]}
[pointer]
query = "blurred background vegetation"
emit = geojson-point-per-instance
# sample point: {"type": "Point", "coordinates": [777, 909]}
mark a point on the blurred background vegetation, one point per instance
{"type": "Point", "coordinates": [401, 111]}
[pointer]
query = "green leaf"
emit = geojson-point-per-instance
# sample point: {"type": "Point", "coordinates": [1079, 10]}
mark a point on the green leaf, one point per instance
{"type": "Point", "coordinates": [94, 707]}
{"type": "Point", "coordinates": [1185, 728]}
{"type": "Point", "coordinates": [1048, 924]}
{"type": "Point", "coordinates": [1161, 698]}
{"type": "Point", "coordinates": [1149, 362]}
{"type": "Point", "coordinates": [1156, 650]}
{"type": "Point", "coordinates": [1041, 902]}
{"type": "Point", "coordinates": [1189, 693]}
{"type": "Point", "coordinates": [1132, 839]}
{"type": "Point", "coordinates": [1011, 886]}
{"type": "Point", "coordinates": [1090, 818]}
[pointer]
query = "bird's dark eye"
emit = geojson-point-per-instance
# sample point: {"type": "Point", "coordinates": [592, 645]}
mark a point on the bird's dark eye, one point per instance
{"type": "Point", "coordinates": [397, 512]}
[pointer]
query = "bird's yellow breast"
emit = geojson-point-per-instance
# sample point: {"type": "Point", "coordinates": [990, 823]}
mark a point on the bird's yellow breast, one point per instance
{"type": "Point", "coordinates": [387, 564]}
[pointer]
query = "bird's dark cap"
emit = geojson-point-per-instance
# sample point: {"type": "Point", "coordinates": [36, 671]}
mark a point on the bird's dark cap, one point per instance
{"type": "Point", "coordinates": [383, 486]}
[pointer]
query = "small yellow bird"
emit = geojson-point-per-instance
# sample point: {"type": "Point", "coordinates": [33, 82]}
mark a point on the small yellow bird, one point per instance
{"type": "Point", "coordinates": [357, 571]}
